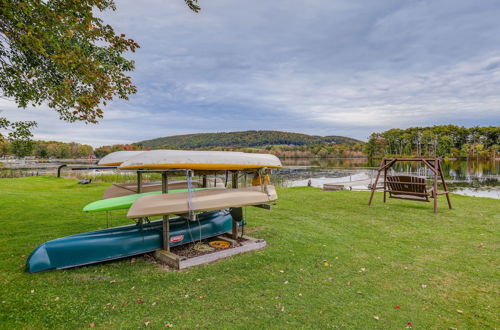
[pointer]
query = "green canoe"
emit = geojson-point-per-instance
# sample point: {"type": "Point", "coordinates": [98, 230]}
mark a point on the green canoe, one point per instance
{"type": "Point", "coordinates": [124, 202]}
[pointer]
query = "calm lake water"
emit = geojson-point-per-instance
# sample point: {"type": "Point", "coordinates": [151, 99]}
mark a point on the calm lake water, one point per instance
{"type": "Point", "coordinates": [474, 177]}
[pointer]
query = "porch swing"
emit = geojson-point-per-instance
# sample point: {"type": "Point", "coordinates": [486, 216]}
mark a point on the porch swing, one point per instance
{"type": "Point", "coordinates": [410, 187]}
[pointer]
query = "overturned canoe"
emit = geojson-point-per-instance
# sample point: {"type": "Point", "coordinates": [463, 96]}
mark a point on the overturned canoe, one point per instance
{"type": "Point", "coordinates": [200, 160]}
{"type": "Point", "coordinates": [124, 202]}
{"type": "Point", "coordinates": [203, 200]}
{"type": "Point", "coordinates": [118, 157]}
{"type": "Point", "coordinates": [114, 243]}
{"type": "Point", "coordinates": [118, 190]}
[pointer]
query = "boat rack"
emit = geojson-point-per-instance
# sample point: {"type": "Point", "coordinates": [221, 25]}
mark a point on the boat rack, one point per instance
{"type": "Point", "coordinates": [165, 255]}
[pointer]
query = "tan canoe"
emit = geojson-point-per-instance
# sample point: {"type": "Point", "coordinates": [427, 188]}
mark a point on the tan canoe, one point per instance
{"type": "Point", "coordinates": [119, 190]}
{"type": "Point", "coordinates": [202, 200]}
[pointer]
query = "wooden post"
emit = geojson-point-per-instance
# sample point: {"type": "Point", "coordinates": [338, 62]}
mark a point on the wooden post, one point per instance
{"type": "Point", "coordinates": [374, 187]}
{"type": "Point", "coordinates": [234, 179]}
{"type": "Point", "coordinates": [166, 220]}
{"type": "Point", "coordinates": [434, 191]}
{"type": "Point", "coordinates": [164, 183]}
{"type": "Point", "coordinates": [139, 182]}
{"type": "Point", "coordinates": [204, 181]}
{"type": "Point", "coordinates": [385, 181]}
{"type": "Point", "coordinates": [237, 215]}
{"type": "Point", "coordinates": [444, 185]}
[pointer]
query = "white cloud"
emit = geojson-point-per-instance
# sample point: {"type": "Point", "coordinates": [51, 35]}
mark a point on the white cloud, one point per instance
{"type": "Point", "coordinates": [320, 67]}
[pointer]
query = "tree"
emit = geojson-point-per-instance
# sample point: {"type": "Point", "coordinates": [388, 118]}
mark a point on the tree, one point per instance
{"type": "Point", "coordinates": [19, 136]}
{"type": "Point", "coordinates": [59, 52]}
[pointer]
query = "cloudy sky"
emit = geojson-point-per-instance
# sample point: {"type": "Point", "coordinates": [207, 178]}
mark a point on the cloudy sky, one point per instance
{"type": "Point", "coordinates": [337, 67]}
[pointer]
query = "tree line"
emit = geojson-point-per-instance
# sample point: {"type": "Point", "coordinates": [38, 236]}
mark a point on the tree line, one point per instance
{"type": "Point", "coordinates": [441, 140]}
{"type": "Point", "coordinates": [45, 149]}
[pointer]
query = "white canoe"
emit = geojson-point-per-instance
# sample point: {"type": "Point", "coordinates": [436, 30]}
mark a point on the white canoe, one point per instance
{"type": "Point", "coordinates": [117, 157]}
{"type": "Point", "coordinates": [201, 200]}
{"type": "Point", "coordinates": [118, 190]}
{"type": "Point", "coordinates": [200, 160]}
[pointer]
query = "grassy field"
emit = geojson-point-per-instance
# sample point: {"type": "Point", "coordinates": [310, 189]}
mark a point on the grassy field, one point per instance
{"type": "Point", "coordinates": [332, 262]}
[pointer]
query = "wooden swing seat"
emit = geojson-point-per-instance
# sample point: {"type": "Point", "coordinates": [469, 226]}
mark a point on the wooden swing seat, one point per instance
{"type": "Point", "coordinates": [411, 187]}
{"type": "Point", "coordinates": [408, 187]}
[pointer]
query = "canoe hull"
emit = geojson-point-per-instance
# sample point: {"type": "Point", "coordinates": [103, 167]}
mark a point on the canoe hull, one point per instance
{"type": "Point", "coordinates": [114, 243]}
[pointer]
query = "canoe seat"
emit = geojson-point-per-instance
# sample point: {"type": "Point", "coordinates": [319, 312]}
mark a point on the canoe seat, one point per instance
{"type": "Point", "coordinates": [408, 187]}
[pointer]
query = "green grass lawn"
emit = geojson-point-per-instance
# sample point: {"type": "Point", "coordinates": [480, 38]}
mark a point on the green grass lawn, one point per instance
{"type": "Point", "coordinates": [331, 262]}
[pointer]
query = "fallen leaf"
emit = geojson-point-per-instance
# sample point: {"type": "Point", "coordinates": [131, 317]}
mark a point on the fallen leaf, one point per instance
{"type": "Point", "coordinates": [23, 256]}
{"type": "Point", "coordinates": [286, 282]}
{"type": "Point", "coordinates": [362, 270]}
{"type": "Point", "coordinates": [423, 286]}
{"type": "Point", "coordinates": [460, 311]}
{"type": "Point", "coordinates": [348, 283]}
{"type": "Point", "coordinates": [132, 288]}
{"type": "Point", "coordinates": [376, 318]}
{"type": "Point", "coordinates": [32, 291]}
{"type": "Point", "coordinates": [397, 307]}
{"type": "Point", "coordinates": [481, 246]}
{"type": "Point", "coordinates": [169, 325]}
{"type": "Point", "coordinates": [425, 308]}
{"type": "Point", "coordinates": [282, 271]}
{"type": "Point", "coordinates": [202, 297]}
{"type": "Point", "coordinates": [153, 304]}
{"type": "Point", "coordinates": [112, 281]}
{"type": "Point", "coordinates": [409, 324]}
{"type": "Point", "coordinates": [92, 325]}
{"type": "Point", "coordinates": [146, 323]}
{"type": "Point", "coordinates": [186, 296]}
{"type": "Point", "coordinates": [140, 301]}
{"type": "Point", "coordinates": [326, 263]}
{"type": "Point", "coordinates": [56, 299]}
{"type": "Point", "coordinates": [300, 294]}
{"type": "Point", "coordinates": [198, 279]}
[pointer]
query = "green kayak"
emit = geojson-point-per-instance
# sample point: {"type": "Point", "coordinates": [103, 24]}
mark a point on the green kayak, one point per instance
{"type": "Point", "coordinates": [124, 202]}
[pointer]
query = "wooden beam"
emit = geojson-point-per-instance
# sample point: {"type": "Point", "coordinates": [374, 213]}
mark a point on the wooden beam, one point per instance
{"type": "Point", "coordinates": [385, 182]}
{"type": "Point", "coordinates": [374, 186]}
{"type": "Point", "coordinates": [445, 188]}
{"type": "Point", "coordinates": [234, 179]}
{"type": "Point", "coordinates": [164, 183]}
{"type": "Point", "coordinates": [237, 215]}
{"type": "Point", "coordinates": [434, 191]}
{"type": "Point", "coordinates": [263, 206]}
{"type": "Point", "coordinates": [139, 182]}
{"type": "Point", "coordinates": [166, 220]}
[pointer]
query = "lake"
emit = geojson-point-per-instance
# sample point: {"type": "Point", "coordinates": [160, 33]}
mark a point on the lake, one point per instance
{"type": "Point", "coordinates": [474, 177]}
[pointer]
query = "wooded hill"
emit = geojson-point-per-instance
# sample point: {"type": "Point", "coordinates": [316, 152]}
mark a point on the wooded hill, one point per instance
{"type": "Point", "coordinates": [242, 139]}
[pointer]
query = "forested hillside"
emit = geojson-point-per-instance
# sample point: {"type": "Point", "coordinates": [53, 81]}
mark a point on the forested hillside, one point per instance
{"type": "Point", "coordinates": [242, 139]}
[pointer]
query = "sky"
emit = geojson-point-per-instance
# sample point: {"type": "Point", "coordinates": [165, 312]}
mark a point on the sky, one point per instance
{"type": "Point", "coordinates": [337, 67]}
